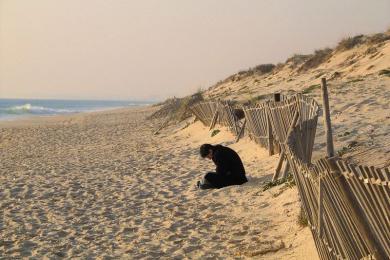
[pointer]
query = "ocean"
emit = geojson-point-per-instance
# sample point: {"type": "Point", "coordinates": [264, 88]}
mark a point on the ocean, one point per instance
{"type": "Point", "coordinates": [21, 108]}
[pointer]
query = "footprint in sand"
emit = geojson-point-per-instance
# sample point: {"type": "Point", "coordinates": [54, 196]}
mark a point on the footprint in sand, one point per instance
{"type": "Point", "coordinates": [240, 233]}
{"type": "Point", "coordinates": [26, 248]}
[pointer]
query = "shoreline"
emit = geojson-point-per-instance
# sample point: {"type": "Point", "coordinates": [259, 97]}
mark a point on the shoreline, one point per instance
{"type": "Point", "coordinates": [35, 116]}
{"type": "Point", "coordinates": [46, 119]}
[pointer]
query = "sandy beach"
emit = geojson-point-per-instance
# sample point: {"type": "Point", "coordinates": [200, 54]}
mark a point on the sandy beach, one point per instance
{"type": "Point", "coordinates": [101, 185]}
{"type": "Point", "coordinates": [105, 104]}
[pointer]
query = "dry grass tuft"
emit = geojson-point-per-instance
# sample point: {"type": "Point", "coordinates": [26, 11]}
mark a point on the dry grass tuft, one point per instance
{"type": "Point", "coordinates": [350, 42]}
{"type": "Point", "coordinates": [177, 109]}
{"type": "Point", "coordinates": [263, 68]}
{"type": "Point", "coordinates": [258, 70]}
{"type": "Point", "coordinates": [297, 59]}
{"type": "Point", "coordinates": [316, 59]}
{"type": "Point", "coordinates": [302, 218]}
{"type": "Point", "coordinates": [371, 50]}
{"type": "Point", "coordinates": [378, 38]}
{"type": "Point", "coordinates": [257, 99]}
{"type": "Point", "coordinates": [311, 88]}
{"type": "Point", "coordinates": [385, 72]}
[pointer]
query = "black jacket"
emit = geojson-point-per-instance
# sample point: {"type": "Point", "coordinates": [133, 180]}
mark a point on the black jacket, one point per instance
{"type": "Point", "coordinates": [228, 163]}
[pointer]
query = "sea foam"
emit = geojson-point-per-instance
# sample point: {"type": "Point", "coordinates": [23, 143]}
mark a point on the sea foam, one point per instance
{"type": "Point", "coordinates": [38, 110]}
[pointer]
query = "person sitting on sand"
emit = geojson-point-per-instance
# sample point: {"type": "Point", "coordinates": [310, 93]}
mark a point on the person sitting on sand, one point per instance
{"type": "Point", "coordinates": [229, 170]}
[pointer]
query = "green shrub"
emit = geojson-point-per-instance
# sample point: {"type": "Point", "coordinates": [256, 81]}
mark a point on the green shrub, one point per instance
{"type": "Point", "coordinates": [343, 151]}
{"type": "Point", "coordinates": [346, 133]}
{"type": "Point", "coordinates": [271, 184]}
{"type": "Point", "coordinates": [289, 182]}
{"type": "Point", "coordinates": [347, 148]}
{"type": "Point", "coordinates": [215, 132]}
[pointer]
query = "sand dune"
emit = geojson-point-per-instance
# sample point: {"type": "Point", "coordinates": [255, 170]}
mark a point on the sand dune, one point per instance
{"type": "Point", "coordinates": [358, 96]}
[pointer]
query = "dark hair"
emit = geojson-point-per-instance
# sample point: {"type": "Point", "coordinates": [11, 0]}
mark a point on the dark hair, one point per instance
{"type": "Point", "coordinates": [205, 149]}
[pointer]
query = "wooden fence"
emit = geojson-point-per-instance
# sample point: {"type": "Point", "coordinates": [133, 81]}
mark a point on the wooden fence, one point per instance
{"type": "Point", "coordinates": [221, 112]}
{"type": "Point", "coordinates": [204, 111]}
{"type": "Point", "coordinates": [259, 128]}
{"type": "Point", "coordinates": [302, 109]}
{"type": "Point", "coordinates": [347, 206]}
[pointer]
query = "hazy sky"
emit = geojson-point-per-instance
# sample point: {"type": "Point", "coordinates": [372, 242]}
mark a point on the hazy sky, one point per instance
{"type": "Point", "coordinates": [101, 49]}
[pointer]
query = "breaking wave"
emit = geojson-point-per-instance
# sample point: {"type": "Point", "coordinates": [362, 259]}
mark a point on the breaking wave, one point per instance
{"type": "Point", "coordinates": [34, 110]}
{"type": "Point", "coordinates": [21, 108]}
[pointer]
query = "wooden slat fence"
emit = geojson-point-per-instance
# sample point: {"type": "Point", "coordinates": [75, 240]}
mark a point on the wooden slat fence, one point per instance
{"type": "Point", "coordinates": [258, 126]}
{"type": "Point", "coordinates": [347, 206]}
{"type": "Point", "coordinates": [281, 115]}
{"type": "Point", "coordinates": [205, 112]}
{"type": "Point", "coordinates": [371, 187]}
{"type": "Point", "coordinates": [228, 118]}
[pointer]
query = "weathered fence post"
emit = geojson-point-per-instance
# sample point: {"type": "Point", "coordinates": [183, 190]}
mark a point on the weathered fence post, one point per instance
{"type": "Point", "coordinates": [214, 120]}
{"type": "Point", "coordinates": [279, 166]}
{"type": "Point", "coordinates": [328, 126]}
{"type": "Point", "coordinates": [241, 131]}
{"type": "Point", "coordinates": [286, 170]}
{"type": "Point", "coordinates": [269, 127]}
{"type": "Point", "coordinates": [163, 125]}
{"type": "Point", "coordinates": [277, 97]}
{"type": "Point", "coordinates": [270, 137]}
{"type": "Point", "coordinates": [330, 150]}
{"type": "Point", "coordinates": [282, 154]}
